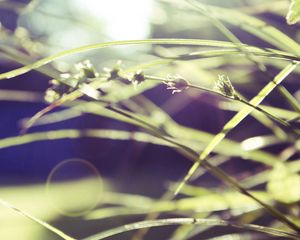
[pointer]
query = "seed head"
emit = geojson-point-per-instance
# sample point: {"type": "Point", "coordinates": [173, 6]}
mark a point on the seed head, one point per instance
{"type": "Point", "coordinates": [176, 83]}
{"type": "Point", "coordinates": [86, 70]}
{"type": "Point", "coordinates": [51, 95]}
{"type": "Point", "coordinates": [225, 87]}
{"type": "Point", "coordinates": [56, 90]}
{"type": "Point", "coordinates": [69, 82]}
{"type": "Point", "coordinates": [138, 77]}
{"type": "Point", "coordinates": [113, 73]}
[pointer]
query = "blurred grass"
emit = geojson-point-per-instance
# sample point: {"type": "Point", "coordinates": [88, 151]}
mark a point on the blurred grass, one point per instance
{"type": "Point", "coordinates": [199, 61]}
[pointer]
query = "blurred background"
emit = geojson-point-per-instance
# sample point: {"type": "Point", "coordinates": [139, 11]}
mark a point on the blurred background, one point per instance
{"type": "Point", "coordinates": [33, 176]}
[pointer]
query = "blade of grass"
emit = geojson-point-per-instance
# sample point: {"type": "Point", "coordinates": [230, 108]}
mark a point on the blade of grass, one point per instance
{"type": "Point", "coordinates": [49, 59]}
{"type": "Point", "coordinates": [33, 218]}
{"type": "Point", "coordinates": [289, 98]}
{"type": "Point", "coordinates": [19, 57]}
{"type": "Point", "coordinates": [279, 112]}
{"type": "Point", "coordinates": [207, 202]}
{"type": "Point", "coordinates": [259, 52]}
{"type": "Point", "coordinates": [196, 221]}
{"type": "Point", "coordinates": [75, 133]}
{"type": "Point", "coordinates": [44, 61]}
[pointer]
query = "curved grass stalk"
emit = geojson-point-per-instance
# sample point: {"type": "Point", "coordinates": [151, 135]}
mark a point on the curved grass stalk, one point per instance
{"type": "Point", "coordinates": [194, 221]}
{"type": "Point", "coordinates": [75, 133]}
{"type": "Point", "coordinates": [240, 48]}
{"type": "Point", "coordinates": [40, 222]}
{"type": "Point", "coordinates": [236, 120]}
{"type": "Point", "coordinates": [288, 115]}
{"type": "Point", "coordinates": [190, 42]}
{"type": "Point", "coordinates": [49, 59]}
{"type": "Point", "coordinates": [19, 57]}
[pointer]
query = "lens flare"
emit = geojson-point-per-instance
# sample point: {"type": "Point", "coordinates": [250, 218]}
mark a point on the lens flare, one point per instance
{"type": "Point", "coordinates": [74, 187]}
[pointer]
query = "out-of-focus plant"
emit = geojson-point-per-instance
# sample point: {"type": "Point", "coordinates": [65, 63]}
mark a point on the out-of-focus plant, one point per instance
{"type": "Point", "coordinates": [117, 93]}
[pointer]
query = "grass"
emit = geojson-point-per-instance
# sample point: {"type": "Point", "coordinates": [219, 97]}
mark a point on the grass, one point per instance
{"type": "Point", "coordinates": [118, 94]}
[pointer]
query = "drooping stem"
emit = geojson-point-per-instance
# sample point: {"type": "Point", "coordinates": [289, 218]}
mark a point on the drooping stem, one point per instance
{"type": "Point", "coordinates": [194, 221]}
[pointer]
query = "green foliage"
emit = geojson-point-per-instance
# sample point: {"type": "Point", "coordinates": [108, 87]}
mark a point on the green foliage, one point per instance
{"type": "Point", "coordinates": [188, 67]}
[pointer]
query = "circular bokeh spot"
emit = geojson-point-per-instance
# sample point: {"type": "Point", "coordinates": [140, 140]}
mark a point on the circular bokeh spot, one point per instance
{"type": "Point", "coordinates": [74, 187]}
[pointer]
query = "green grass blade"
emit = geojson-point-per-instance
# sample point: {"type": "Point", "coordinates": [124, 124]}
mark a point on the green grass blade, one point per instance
{"type": "Point", "coordinates": [290, 98]}
{"type": "Point", "coordinates": [44, 61]}
{"type": "Point", "coordinates": [75, 133]}
{"type": "Point", "coordinates": [40, 222]}
{"type": "Point", "coordinates": [238, 50]}
{"type": "Point", "coordinates": [279, 112]}
{"type": "Point", "coordinates": [202, 201]}
{"type": "Point", "coordinates": [195, 221]}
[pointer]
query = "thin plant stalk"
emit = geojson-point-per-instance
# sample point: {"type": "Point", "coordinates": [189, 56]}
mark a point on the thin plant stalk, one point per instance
{"type": "Point", "coordinates": [193, 221]}
{"type": "Point", "coordinates": [186, 42]}
{"type": "Point", "coordinates": [35, 219]}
